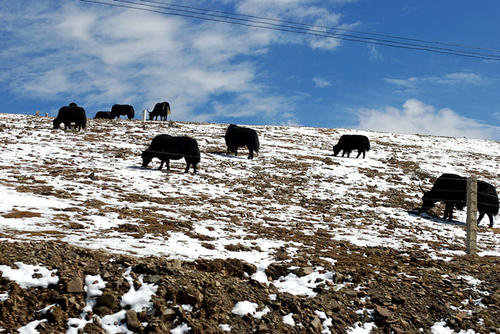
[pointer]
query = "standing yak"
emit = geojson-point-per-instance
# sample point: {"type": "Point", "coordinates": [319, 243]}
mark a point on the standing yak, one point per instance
{"type": "Point", "coordinates": [347, 143]}
{"type": "Point", "coordinates": [166, 148]}
{"type": "Point", "coordinates": [238, 136]}
{"type": "Point", "coordinates": [452, 190]}
{"type": "Point", "coordinates": [71, 114]}
{"type": "Point", "coordinates": [122, 109]}
{"type": "Point", "coordinates": [103, 115]}
{"type": "Point", "coordinates": [161, 109]}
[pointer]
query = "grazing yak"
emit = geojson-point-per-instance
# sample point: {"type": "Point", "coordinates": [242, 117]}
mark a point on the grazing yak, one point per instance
{"type": "Point", "coordinates": [122, 109]}
{"type": "Point", "coordinates": [452, 190]}
{"type": "Point", "coordinates": [71, 114]}
{"type": "Point", "coordinates": [104, 115]}
{"type": "Point", "coordinates": [238, 136]}
{"type": "Point", "coordinates": [347, 143]}
{"type": "Point", "coordinates": [166, 148]}
{"type": "Point", "coordinates": [161, 109]}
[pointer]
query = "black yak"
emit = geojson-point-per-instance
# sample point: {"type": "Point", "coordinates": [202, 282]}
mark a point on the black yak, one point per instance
{"type": "Point", "coordinates": [166, 148]}
{"type": "Point", "coordinates": [104, 115]}
{"type": "Point", "coordinates": [122, 109]}
{"type": "Point", "coordinates": [347, 143]}
{"type": "Point", "coordinates": [71, 114]}
{"type": "Point", "coordinates": [238, 136]}
{"type": "Point", "coordinates": [452, 190]}
{"type": "Point", "coordinates": [161, 109]}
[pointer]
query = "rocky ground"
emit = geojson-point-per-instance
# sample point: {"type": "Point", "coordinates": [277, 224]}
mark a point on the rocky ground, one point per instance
{"type": "Point", "coordinates": [399, 293]}
{"type": "Point", "coordinates": [79, 204]}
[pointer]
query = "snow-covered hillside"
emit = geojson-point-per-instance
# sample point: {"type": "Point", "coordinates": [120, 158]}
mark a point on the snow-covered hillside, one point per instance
{"type": "Point", "coordinates": [88, 189]}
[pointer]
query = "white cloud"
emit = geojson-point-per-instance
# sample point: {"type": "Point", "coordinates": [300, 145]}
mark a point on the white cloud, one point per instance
{"type": "Point", "coordinates": [407, 83]}
{"type": "Point", "coordinates": [374, 53]}
{"type": "Point", "coordinates": [299, 11]}
{"type": "Point", "coordinates": [417, 117]}
{"type": "Point", "coordinates": [97, 56]}
{"type": "Point", "coordinates": [321, 83]}
{"type": "Point", "coordinates": [459, 78]}
{"type": "Point", "coordinates": [276, 109]}
{"type": "Point", "coordinates": [463, 77]}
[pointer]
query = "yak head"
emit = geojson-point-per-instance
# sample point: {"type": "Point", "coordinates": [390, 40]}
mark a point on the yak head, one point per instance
{"type": "Point", "coordinates": [428, 201]}
{"type": "Point", "coordinates": [336, 150]}
{"type": "Point", "coordinates": [147, 156]}
{"type": "Point", "coordinates": [151, 115]}
{"type": "Point", "coordinates": [56, 123]}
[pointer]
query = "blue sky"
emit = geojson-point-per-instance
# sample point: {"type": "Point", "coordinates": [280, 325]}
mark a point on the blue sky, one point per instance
{"type": "Point", "coordinates": [56, 52]}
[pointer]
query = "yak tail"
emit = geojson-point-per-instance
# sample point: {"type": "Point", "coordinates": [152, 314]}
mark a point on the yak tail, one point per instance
{"type": "Point", "coordinates": [167, 106]}
{"type": "Point", "coordinates": [257, 144]}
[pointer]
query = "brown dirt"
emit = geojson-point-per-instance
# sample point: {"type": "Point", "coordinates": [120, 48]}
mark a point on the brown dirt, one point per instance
{"type": "Point", "coordinates": [407, 292]}
{"type": "Point", "coordinates": [401, 291]}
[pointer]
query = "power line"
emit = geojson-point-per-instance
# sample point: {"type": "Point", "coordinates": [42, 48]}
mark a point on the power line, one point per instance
{"type": "Point", "coordinates": [321, 30]}
{"type": "Point", "coordinates": [226, 18]}
{"type": "Point", "coordinates": [295, 29]}
{"type": "Point", "coordinates": [321, 27]}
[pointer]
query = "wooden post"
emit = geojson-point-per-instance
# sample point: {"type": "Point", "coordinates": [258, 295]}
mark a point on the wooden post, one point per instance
{"type": "Point", "coordinates": [471, 245]}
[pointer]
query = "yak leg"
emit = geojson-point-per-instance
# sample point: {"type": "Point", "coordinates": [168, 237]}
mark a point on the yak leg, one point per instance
{"type": "Point", "coordinates": [168, 164]}
{"type": "Point", "coordinates": [250, 153]}
{"type": "Point", "coordinates": [161, 164]}
{"type": "Point", "coordinates": [194, 168]}
{"type": "Point", "coordinates": [481, 215]}
{"type": "Point", "coordinates": [187, 167]}
{"type": "Point", "coordinates": [359, 153]}
{"type": "Point", "coordinates": [236, 151]}
{"type": "Point", "coordinates": [364, 154]}
{"type": "Point", "coordinates": [490, 216]}
{"type": "Point", "coordinates": [448, 210]}
{"type": "Point", "coordinates": [348, 153]}
{"type": "Point", "coordinates": [343, 153]}
{"type": "Point", "coordinates": [445, 215]}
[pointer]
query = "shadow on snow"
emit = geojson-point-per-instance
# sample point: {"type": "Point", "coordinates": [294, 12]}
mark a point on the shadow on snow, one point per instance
{"type": "Point", "coordinates": [434, 219]}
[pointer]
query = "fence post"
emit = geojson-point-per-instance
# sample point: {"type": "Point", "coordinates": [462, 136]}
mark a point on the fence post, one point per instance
{"type": "Point", "coordinates": [144, 114]}
{"type": "Point", "coordinates": [470, 243]}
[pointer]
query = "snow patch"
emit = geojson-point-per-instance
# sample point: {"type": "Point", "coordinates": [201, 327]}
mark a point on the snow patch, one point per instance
{"type": "Point", "coordinates": [25, 275]}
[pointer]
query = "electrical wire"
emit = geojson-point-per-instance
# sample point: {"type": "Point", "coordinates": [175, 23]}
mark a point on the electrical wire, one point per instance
{"type": "Point", "coordinates": [320, 27]}
{"type": "Point", "coordinates": [165, 9]}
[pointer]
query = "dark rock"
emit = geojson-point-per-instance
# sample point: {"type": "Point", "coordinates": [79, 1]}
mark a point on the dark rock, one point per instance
{"type": "Point", "coordinates": [168, 314]}
{"type": "Point", "coordinates": [55, 314]}
{"type": "Point", "coordinates": [152, 279]}
{"type": "Point", "coordinates": [383, 312]}
{"type": "Point", "coordinates": [316, 324]}
{"type": "Point", "coordinates": [277, 270]}
{"type": "Point", "coordinates": [263, 328]}
{"type": "Point", "coordinates": [132, 321]}
{"type": "Point", "coordinates": [189, 296]}
{"type": "Point", "coordinates": [102, 310]}
{"type": "Point", "coordinates": [93, 328]}
{"type": "Point", "coordinates": [75, 286]}
{"type": "Point", "coordinates": [108, 300]}
{"type": "Point", "coordinates": [303, 271]}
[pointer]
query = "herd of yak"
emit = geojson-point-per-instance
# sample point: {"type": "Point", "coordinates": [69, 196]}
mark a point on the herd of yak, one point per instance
{"type": "Point", "coordinates": [451, 189]}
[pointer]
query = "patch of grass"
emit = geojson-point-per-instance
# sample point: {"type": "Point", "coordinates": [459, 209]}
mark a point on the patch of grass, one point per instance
{"type": "Point", "coordinates": [22, 214]}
